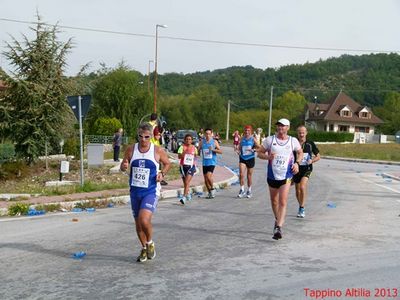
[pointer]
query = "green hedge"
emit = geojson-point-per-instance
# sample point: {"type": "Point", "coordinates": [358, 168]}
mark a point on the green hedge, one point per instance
{"type": "Point", "coordinates": [323, 136]}
{"type": "Point", "coordinates": [7, 152]}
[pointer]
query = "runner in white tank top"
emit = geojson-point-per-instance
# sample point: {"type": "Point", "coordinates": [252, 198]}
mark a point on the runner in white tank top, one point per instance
{"type": "Point", "coordinates": [278, 150]}
{"type": "Point", "coordinates": [143, 159]}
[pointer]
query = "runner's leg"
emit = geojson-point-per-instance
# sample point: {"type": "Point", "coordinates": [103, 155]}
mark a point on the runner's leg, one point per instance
{"type": "Point", "coordinates": [186, 181]}
{"type": "Point", "coordinates": [283, 197]}
{"type": "Point", "coordinates": [146, 228]}
{"type": "Point", "coordinates": [302, 186]}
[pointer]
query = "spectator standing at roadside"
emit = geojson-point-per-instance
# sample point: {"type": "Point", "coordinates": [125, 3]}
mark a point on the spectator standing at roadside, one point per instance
{"type": "Point", "coordinates": [217, 137]}
{"type": "Point", "coordinates": [117, 141]}
{"type": "Point", "coordinates": [201, 133]}
{"type": "Point", "coordinates": [310, 156]}
{"type": "Point", "coordinates": [156, 140]}
{"type": "Point", "coordinates": [153, 120]}
{"type": "Point", "coordinates": [257, 134]}
{"type": "Point", "coordinates": [279, 150]}
{"type": "Point", "coordinates": [156, 137]}
{"type": "Point", "coordinates": [236, 139]}
{"type": "Point", "coordinates": [143, 159]}
{"type": "Point", "coordinates": [209, 148]}
{"type": "Point", "coordinates": [187, 154]}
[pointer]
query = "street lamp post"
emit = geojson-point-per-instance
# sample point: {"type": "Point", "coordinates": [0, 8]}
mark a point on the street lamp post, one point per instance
{"type": "Point", "coordinates": [155, 69]}
{"type": "Point", "coordinates": [148, 76]}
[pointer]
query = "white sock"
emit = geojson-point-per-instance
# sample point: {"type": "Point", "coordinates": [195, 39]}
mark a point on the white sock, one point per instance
{"type": "Point", "coordinates": [249, 189]}
{"type": "Point", "coordinates": [242, 187]}
{"type": "Point", "coordinates": [148, 243]}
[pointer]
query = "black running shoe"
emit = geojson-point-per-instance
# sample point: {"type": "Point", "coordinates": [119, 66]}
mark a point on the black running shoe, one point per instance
{"type": "Point", "coordinates": [277, 233]}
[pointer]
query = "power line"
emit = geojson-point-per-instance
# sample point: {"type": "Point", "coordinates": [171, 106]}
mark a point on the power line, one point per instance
{"type": "Point", "coordinates": [206, 40]}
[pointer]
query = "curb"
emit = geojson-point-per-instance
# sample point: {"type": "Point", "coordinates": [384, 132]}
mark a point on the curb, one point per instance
{"type": "Point", "coordinates": [391, 176]}
{"type": "Point", "coordinates": [125, 199]}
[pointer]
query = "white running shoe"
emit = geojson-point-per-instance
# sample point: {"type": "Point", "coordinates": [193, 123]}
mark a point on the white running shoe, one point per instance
{"type": "Point", "coordinates": [241, 194]}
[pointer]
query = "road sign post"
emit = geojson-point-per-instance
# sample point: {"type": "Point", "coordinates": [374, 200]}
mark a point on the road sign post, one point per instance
{"type": "Point", "coordinates": [80, 106]}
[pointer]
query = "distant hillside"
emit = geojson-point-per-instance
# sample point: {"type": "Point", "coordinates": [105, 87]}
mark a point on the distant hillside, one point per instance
{"type": "Point", "coordinates": [365, 78]}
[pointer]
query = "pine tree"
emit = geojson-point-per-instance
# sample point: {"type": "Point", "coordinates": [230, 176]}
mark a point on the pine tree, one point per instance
{"type": "Point", "coordinates": [37, 91]}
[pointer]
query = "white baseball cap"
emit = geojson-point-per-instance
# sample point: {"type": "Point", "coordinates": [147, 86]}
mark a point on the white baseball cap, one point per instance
{"type": "Point", "coordinates": [283, 121]}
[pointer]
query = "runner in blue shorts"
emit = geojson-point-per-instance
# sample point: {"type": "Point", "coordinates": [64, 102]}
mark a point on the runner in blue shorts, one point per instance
{"type": "Point", "coordinates": [144, 158]}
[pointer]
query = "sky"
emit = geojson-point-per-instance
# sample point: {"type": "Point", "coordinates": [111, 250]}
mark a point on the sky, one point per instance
{"type": "Point", "coordinates": [260, 33]}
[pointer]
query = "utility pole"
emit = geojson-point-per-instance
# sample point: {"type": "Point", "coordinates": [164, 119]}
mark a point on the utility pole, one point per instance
{"type": "Point", "coordinates": [148, 77]}
{"type": "Point", "coordinates": [227, 120]}
{"type": "Point", "coordinates": [270, 111]}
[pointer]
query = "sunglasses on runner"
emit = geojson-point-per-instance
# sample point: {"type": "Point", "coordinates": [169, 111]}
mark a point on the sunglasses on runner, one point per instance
{"type": "Point", "coordinates": [144, 137]}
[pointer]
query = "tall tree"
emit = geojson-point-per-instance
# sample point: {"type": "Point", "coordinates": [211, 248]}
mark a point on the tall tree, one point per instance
{"type": "Point", "coordinates": [178, 113]}
{"type": "Point", "coordinates": [208, 107]}
{"type": "Point", "coordinates": [291, 103]}
{"type": "Point", "coordinates": [36, 91]}
{"type": "Point", "coordinates": [120, 94]}
{"type": "Point", "coordinates": [390, 113]}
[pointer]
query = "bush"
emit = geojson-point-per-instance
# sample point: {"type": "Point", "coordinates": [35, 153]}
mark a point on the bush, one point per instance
{"type": "Point", "coordinates": [13, 170]}
{"type": "Point", "coordinates": [106, 126]}
{"type": "Point", "coordinates": [49, 207]}
{"type": "Point", "coordinates": [18, 209]}
{"type": "Point", "coordinates": [72, 147]}
{"type": "Point", "coordinates": [7, 152]}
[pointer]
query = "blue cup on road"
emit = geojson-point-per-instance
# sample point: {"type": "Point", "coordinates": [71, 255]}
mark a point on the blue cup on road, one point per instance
{"type": "Point", "coordinates": [79, 255]}
{"type": "Point", "coordinates": [331, 205]}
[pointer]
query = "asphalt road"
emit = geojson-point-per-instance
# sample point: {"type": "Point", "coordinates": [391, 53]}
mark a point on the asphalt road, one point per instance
{"type": "Point", "coordinates": [220, 248]}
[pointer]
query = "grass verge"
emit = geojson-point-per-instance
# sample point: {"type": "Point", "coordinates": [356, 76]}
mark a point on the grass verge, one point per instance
{"type": "Point", "coordinates": [387, 152]}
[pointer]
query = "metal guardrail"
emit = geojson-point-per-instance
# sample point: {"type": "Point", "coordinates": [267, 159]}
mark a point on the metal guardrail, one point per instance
{"type": "Point", "coordinates": [103, 139]}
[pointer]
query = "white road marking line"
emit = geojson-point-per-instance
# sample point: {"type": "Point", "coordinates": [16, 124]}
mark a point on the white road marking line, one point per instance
{"type": "Point", "coordinates": [385, 187]}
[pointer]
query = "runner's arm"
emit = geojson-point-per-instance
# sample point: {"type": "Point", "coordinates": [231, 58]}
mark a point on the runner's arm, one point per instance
{"type": "Point", "coordinates": [299, 158]}
{"type": "Point", "coordinates": [256, 144]}
{"type": "Point", "coordinates": [315, 151]}
{"type": "Point", "coordinates": [127, 158]}
{"type": "Point", "coordinates": [200, 146]}
{"type": "Point", "coordinates": [217, 149]}
{"type": "Point", "coordinates": [165, 163]}
{"type": "Point", "coordinates": [264, 153]}
{"type": "Point", "coordinates": [180, 152]}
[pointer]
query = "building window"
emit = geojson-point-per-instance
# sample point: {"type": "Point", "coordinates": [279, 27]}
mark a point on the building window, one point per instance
{"type": "Point", "coordinates": [331, 127]}
{"type": "Point", "coordinates": [345, 113]}
{"type": "Point", "coordinates": [361, 129]}
{"type": "Point", "coordinates": [343, 128]}
{"type": "Point", "coordinates": [365, 115]}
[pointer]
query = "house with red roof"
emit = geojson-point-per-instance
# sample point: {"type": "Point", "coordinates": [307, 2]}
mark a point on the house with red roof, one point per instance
{"type": "Point", "coordinates": [341, 114]}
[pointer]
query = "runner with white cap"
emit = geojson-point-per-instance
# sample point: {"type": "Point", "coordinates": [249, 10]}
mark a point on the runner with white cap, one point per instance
{"type": "Point", "coordinates": [278, 150]}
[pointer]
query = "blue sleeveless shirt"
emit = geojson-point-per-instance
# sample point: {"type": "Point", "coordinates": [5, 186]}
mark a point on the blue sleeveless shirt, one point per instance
{"type": "Point", "coordinates": [144, 168]}
{"type": "Point", "coordinates": [246, 148]}
{"type": "Point", "coordinates": [209, 157]}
